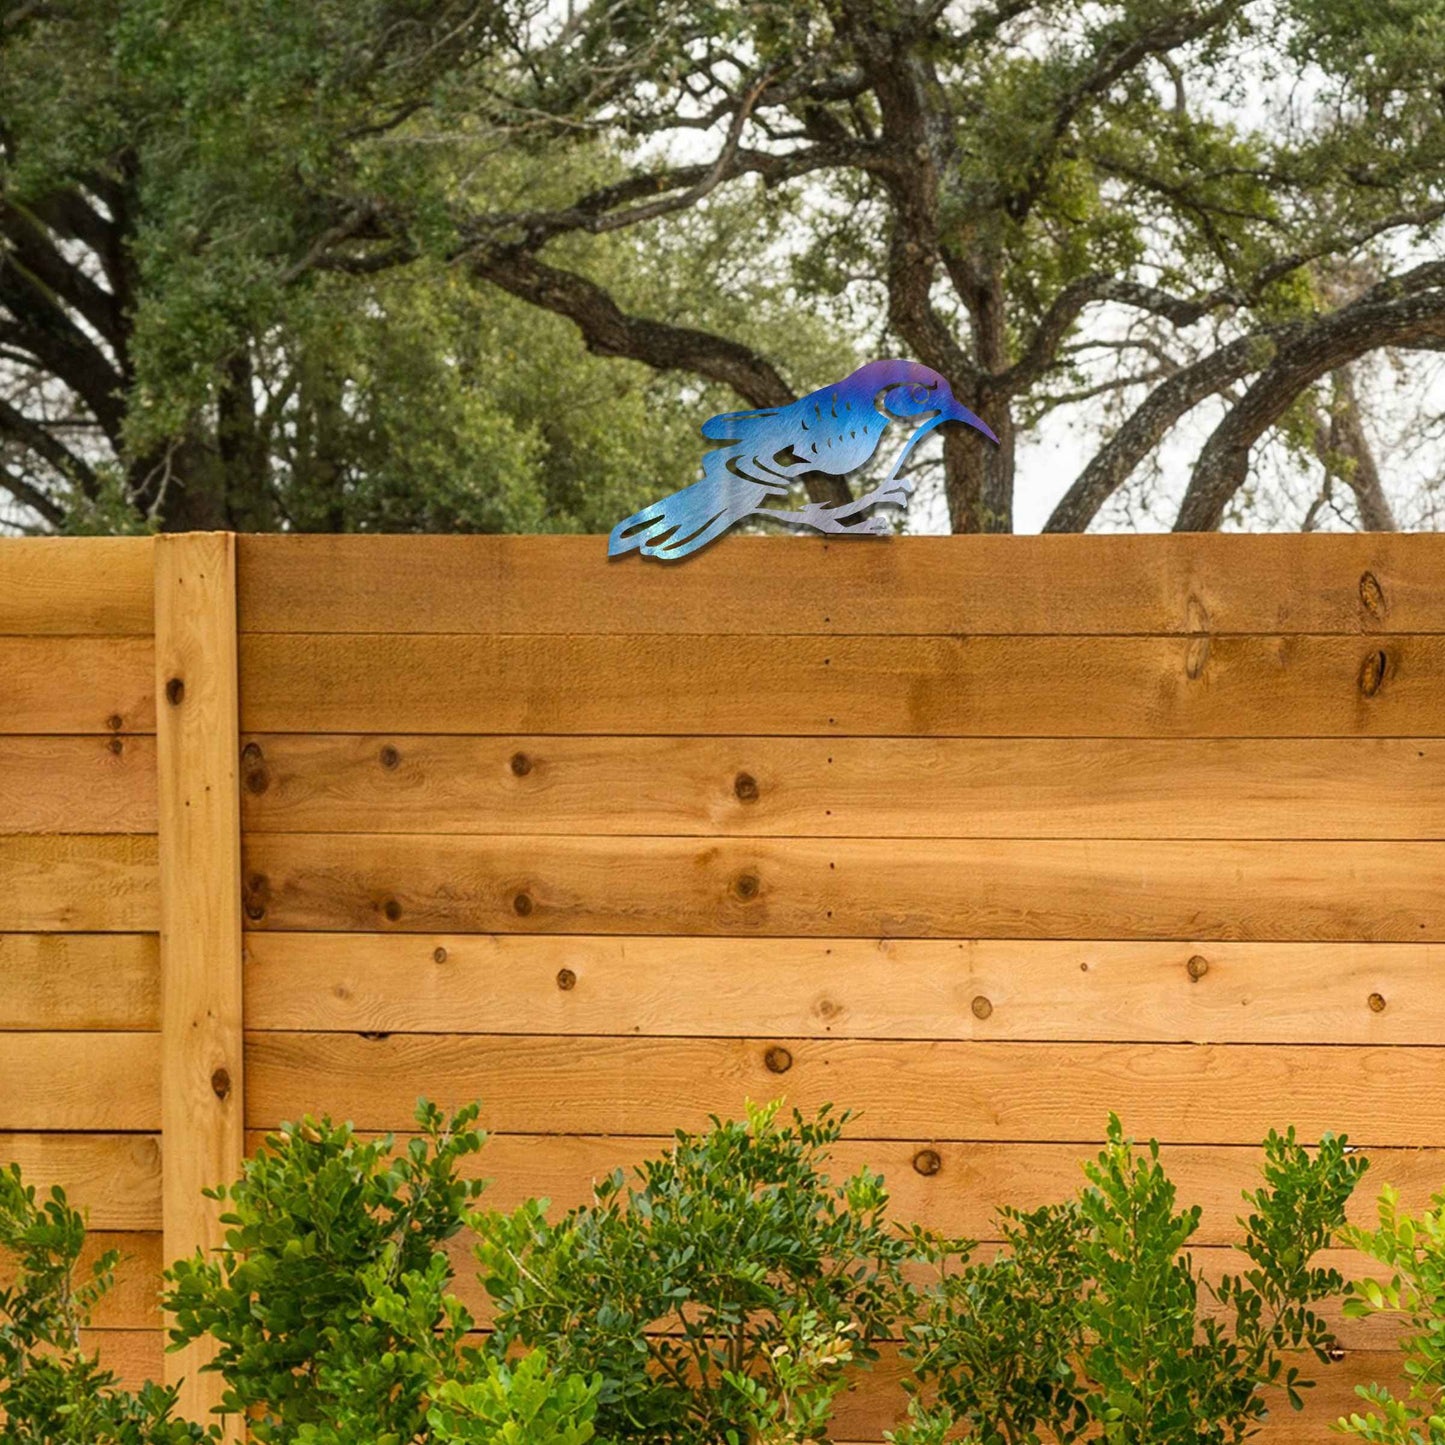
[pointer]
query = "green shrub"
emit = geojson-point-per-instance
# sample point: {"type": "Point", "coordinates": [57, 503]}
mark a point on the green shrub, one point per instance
{"type": "Point", "coordinates": [330, 1301]}
{"type": "Point", "coordinates": [1413, 1250]}
{"type": "Point", "coordinates": [53, 1392]}
{"type": "Point", "coordinates": [719, 1297]}
{"type": "Point", "coordinates": [1093, 1319]}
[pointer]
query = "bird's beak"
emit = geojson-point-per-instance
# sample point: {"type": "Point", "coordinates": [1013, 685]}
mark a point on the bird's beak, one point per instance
{"type": "Point", "coordinates": [958, 412]}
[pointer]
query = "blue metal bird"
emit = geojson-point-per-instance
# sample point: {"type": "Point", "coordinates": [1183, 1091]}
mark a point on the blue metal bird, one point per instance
{"type": "Point", "coordinates": [834, 430]}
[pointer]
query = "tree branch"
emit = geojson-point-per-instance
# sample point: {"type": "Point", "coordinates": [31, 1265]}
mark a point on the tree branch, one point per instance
{"type": "Point", "coordinates": [1342, 337]}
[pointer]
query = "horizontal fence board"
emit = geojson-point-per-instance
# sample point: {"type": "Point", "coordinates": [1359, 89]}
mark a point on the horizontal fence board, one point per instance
{"type": "Point", "coordinates": [133, 1301]}
{"type": "Point", "coordinates": [1186, 1093]}
{"type": "Point", "coordinates": [857, 887]}
{"type": "Point", "coordinates": [114, 1178]}
{"type": "Point", "coordinates": [80, 1081]}
{"type": "Point", "coordinates": [1305, 686]}
{"type": "Point", "coordinates": [77, 685]}
{"type": "Point", "coordinates": [79, 981]}
{"type": "Point", "coordinates": [847, 988]}
{"type": "Point", "coordinates": [77, 785]}
{"type": "Point", "coordinates": [79, 585]}
{"type": "Point", "coordinates": [847, 787]}
{"type": "Point", "coordinates": [952, 1186]}
{"type": "Point", "coordinates": [92, 882]}
{"type": "Point", "coordinates": [808, 584]}
{"type": "Point", "coordinates": [876, 1402]}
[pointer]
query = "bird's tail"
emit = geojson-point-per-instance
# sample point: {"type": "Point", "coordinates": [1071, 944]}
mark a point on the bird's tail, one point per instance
{"type": "Point", "coordinates": [677, 525]}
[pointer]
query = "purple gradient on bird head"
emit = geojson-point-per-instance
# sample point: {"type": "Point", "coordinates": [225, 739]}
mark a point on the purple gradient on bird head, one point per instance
{"type": "Point", "coordinates": [763, 454]}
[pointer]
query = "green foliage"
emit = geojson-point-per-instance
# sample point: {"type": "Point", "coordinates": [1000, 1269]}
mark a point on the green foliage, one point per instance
{"type": "Point", "coordinates": [328, 1303]}
{"type": "Point", "coordinates": [52, 1391]}
{"type": "Point", "coordinates": [1413, 1250]}
{"type": "Point", "coordinates": [1094, 1319]}
{"type": "Point", "coordinates": [721, 1295]}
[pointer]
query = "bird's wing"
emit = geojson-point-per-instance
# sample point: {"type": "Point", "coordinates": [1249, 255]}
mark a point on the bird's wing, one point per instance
{"type": "Point", "coordinates": [736, 425]}
{"type": "Point", "coordinates": [679, 524]}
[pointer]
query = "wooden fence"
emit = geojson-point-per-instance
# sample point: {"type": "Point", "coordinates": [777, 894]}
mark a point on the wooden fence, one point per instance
{"type": "Point", "coordinates": [983, 837]}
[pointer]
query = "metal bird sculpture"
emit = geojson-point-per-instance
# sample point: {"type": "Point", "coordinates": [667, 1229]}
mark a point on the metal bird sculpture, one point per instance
{"type": "Point", "coordinates": [834, 430]}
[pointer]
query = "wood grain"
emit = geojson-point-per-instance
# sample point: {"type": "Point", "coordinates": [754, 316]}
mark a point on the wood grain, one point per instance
{"type": "Point", "coordinates": [759, 585]}
{"type": "Point", "coordinates": [1297, 686]}
{"type": "Point", "coordinates": [114, 1178]}
{"type": "Point", "coordinates": [80, 1081]}
{"type": "Point", "coordinates": [76, 685]}
{"type": "Point", "coordinates": [88, 883]}
{"type": "Point", "coordinates": [858, 887]}
{"type": "Point", "coordinates": [847, 787]}
{"type": "Point", "coordinates": [77, 785]}
{"type": "Point", "coordinates": [80, 585]}
{"type": "Point", "coordinates": [1183, 1093]}
{"type": "Point", "coordinates": [948, 1185]}
{"type": "Point", "coordinates": [202, 1094]}
{"type": "Point", "coordinates": [846, 988]}
{"type": "Point", "coordinates": [79, 981]}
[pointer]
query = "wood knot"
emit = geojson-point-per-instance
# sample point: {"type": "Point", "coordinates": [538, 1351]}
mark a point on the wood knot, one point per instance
{"type": "Point", "coordinates": [827, 1009]}
{"type": "Point", "coordinates": [1372, 596]}
{"type": "Point", "coordinates": [746, 886]}
{"type": "Point", "coordinates": [981, 1007]}
{"type": "Point", "coordinates": [255, 778]}
{"type": "Point", "coordinates": [566, 980]}
{"type": "Point", "coordinates": [389, 758]}
{"type": "Point", "coordinates": [438, 955]}
{"type": "Point", "coordinates": [1196, 615]}
{"type": "Point", "coordinates": [116, 746]}
{"type": "Point", "coordinates": [257, 895]}
{"type": "Point", "coordinates": [175, 691]}
{"type": "Point", "coordinates": [521, 765]}
{"type": "Point", "coordinates": [115, 722]}
{"type": "Point", "coordinates": [375, 1036]}
{"type": "Point", "coordinates": [221, 1083]}
{"type": "Point", "coordinates": [1372, 672]}
{"type": "Point", "coordinates": [252, 753]}
{"type": "Point", "coordinates": [1197, 967]}
{"type": "Point", "coordinates": [927, 1162]}
{"type": "Point", "coordinates": [746, 788]}
{"type": "Point", "coordinates": [522, 904]}
{"type": "Point", "coordinates": [778, 1060]}
{"type": "Point", "coordinates": [1335, 1352]}
{"type": "Point", "coordinates": [391, 910]}
{"type": "Point", "coordinates": [1196, 658]}
{"type": "Point", "coordinates": [1377, 1003]}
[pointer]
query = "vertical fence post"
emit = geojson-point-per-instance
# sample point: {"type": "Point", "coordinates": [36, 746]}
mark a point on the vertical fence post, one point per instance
{"type": "Point", "coordinates": [197, 726]}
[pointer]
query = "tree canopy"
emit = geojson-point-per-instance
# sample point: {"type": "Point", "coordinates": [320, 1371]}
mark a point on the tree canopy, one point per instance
{"type": "Point", "coordinates": [443, 264]}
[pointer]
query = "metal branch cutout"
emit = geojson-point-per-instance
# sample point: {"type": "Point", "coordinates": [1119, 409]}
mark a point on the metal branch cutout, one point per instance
{"type": "Point", "coordinates": [835, 430]}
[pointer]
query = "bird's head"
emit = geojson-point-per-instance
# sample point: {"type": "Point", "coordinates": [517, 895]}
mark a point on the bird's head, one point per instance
{"type": "Point", "coordinates": [908, 390]}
